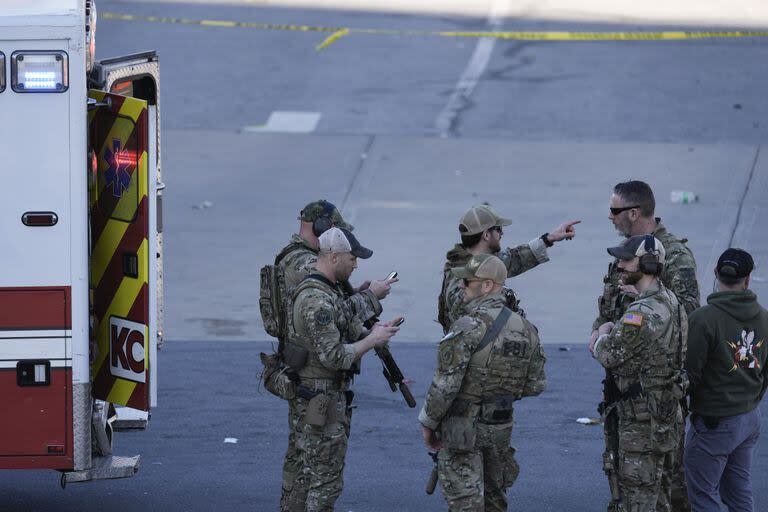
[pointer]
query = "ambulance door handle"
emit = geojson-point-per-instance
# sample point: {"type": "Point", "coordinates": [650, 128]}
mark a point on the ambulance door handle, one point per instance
{"type": "Point", "coordinates": [93, 104]}
{"type": "Point", "coordinates": [160, 187]}
{"type": "Point", "coordinates": [131, 265]}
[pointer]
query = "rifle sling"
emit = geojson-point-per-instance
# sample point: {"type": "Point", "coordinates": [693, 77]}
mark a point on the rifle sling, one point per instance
{"type": "Point", "coordinates": [493, 332]}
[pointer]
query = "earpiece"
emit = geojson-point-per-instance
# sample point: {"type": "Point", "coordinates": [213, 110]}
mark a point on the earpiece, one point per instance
{"type": "Point", "coordinates": [324, 222]}
{"type": "Point", "coordinates": [649, 262]}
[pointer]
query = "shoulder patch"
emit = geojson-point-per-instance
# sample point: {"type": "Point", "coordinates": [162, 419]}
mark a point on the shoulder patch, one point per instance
{"type": "Point", "coordinates": [323, 316]}
{"type": "Point", "coordinates": [633, 318]}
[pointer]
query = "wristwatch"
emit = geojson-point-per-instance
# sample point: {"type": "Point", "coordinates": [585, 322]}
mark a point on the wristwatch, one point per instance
{"type": "Point", "coordinates": [546, 240]}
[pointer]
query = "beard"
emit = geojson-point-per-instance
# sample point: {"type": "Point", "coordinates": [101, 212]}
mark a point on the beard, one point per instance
{"type": "Point", "coordinates": [631, 278]}
{"type": "Point", "coordinates": [343, 274]}
{"type": "Point", "coordinates": [623, 227]}
{"type": "Point", "coordinates": [495, 246]}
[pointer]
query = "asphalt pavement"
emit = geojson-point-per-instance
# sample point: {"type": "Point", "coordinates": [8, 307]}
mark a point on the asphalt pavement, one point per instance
{"type": "Point", "coordinates": [208, 393]}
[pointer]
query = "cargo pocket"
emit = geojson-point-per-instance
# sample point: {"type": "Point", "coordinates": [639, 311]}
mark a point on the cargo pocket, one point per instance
{"type": "Point", "coordinates": [663, 410]}
{"type": "Point", "coordinates": [458, 430]}
{"type": "Point", "coordinates": [638, 469]}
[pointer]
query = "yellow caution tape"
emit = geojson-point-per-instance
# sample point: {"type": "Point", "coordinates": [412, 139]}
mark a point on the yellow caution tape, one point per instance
{"type": "Point", "coordinates": [337, 33]}
{"type": "Point", "coordinates": [331, 38]}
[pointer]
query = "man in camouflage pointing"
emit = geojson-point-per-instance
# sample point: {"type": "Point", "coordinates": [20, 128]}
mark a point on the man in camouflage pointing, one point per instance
{"type": "Point", "coordinates": [481, 229]}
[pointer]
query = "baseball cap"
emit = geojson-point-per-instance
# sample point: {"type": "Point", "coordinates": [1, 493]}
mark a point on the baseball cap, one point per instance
{"type": "Point", "coordinates": [636, 246]}
{"type": "Point", "coordinates": [316, 209]}
{"type": "Point", "coordinates": [483, 266]}
{"type": "Point", "coordinates": [479, 218]}
{"type": "Point", "coordinates": [735, 262]}
{"type": "Point", "coordinates": [342, 240]}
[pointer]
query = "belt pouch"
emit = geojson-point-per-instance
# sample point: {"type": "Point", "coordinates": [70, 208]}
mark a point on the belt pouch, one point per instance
{"type": "Point", "coordinates": [295, 356]}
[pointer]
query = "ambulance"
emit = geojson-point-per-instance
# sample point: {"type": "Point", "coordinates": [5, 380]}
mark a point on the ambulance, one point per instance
{"type": "Point", "coordinates": [81, 307]}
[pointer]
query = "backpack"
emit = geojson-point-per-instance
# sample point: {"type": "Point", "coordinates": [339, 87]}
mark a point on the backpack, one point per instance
{"type": "Point", "coordinates": [271, 303]}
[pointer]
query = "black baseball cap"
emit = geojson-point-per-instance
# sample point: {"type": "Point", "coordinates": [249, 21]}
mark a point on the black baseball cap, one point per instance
{"type": "Point", "coordinates": [735, 262]}
{"type": "Point", "coordinates": [636, 246]}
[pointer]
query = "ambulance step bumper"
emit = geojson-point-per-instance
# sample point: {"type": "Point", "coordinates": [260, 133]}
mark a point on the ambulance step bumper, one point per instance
{"type": "Point", "coordinates": [130, 419]}
{"type": "Point", "coordinates": [104, 468]}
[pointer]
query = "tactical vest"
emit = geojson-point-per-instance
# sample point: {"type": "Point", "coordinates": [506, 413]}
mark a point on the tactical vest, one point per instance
{"type": "Point", "coordinates": [500, 369]}
{"type": "Point", "coordinates": [654, 394]}
{"type": "Point", "coordinates": [300, 354]}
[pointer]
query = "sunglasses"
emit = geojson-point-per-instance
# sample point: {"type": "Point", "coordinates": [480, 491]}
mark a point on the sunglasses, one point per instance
{"type": "Point", "coordinates": [466, 281]}
{"type": "Point", "coordinates": [496, 228]}
{"type": "Point", "coordinates": [616, 211]}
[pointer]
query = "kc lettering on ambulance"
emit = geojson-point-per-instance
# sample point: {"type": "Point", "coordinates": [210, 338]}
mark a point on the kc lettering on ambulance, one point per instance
{"type": "Point", "coordinates": [81, 312]}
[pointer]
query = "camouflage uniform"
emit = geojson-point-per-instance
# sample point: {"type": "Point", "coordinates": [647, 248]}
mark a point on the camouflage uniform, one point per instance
{"type": "Point", "coordinates": [298, 262]}
{"type": "Point", "coordinates": [470, 400]}
{"type": "Point", "coordinates": [321, 321]}
{"type": "Point", "coordinates": [517, 259]}
{"type": "Point", "coordinates": [644, 353]}
{"type": "Point", "coordinates": [679, 276]}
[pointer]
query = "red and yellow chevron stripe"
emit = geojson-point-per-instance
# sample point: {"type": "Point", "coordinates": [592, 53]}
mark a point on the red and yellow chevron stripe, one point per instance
{"type": "Point", "coordinates": [119, 262]}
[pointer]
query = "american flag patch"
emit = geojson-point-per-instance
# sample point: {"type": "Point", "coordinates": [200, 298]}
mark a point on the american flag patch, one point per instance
{"type": "Point", "coordinates": [633, 319]}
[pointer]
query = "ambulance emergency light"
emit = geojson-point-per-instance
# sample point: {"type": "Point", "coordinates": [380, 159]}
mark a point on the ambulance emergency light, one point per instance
{"type": "Point", "coordinates": [39, 71]}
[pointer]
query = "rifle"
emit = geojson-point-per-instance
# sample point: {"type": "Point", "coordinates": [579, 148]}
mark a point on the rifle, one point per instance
{"type": "Point", "coordinates": [432, 482]}
{"type": "Point", "coordinates": [390, 369]}
{"type": "Point", "coordinates": [393, 374]}
{"type": "Point", "coordinates": [611, 395]}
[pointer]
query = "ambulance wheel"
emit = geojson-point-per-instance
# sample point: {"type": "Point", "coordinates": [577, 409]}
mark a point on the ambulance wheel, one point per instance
{"type": "Point", "coordinates": [63, 482]}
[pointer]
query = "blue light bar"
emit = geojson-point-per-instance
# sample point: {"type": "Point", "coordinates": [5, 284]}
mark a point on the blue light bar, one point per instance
{"type": "Point", "coordinates": [39, 71]}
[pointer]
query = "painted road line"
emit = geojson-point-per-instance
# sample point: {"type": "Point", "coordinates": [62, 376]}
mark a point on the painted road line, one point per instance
{"type": "Point", "coordinates": [446, 120]}
{"type": "Point", "coordinates": [288, 122]}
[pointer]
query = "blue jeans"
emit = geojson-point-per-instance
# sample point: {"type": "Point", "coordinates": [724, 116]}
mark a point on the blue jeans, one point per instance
{"type": "Point", "coordinates": [718, 462]}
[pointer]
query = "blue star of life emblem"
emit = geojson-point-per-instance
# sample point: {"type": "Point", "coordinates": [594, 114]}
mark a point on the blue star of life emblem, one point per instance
{"type": "Point", "coordinates": [117, 175]}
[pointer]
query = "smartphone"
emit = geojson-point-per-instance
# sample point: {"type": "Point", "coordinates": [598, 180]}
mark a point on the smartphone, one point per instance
{"type": "Point", "coordinates": [391, 275]}
{"type": "Point", "coordinates": [399, 322]}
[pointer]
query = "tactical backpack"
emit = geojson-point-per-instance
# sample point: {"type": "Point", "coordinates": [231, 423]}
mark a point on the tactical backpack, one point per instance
{"type": "Point", "coordinates": [271, 303]}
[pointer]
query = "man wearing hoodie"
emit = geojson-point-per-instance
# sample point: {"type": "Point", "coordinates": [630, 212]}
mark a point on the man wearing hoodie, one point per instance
{"type": "Point", "coordinates": [481, 231]}
{"type": "Point", "coordinates": [726, 363]}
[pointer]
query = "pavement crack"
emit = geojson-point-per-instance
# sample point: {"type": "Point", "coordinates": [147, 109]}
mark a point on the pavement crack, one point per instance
{"type": "Point", "coordinates": [744, 196]}
{"type": "Point", "coordinates": [355, 181]}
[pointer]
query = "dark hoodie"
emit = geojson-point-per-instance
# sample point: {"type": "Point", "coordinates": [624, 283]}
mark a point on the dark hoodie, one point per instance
{"type": "Point", "coordinates": [727, 353]}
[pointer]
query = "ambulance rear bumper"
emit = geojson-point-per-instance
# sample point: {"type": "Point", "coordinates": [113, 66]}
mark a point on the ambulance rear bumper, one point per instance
{"type": "Point", "coordinates": [104, 468]}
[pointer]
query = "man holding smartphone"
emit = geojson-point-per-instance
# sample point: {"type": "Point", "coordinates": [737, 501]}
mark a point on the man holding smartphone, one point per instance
{"type": "Point", "coordinates": [324, 342]}
{"type": "Point", "coordinates": [293, 263]}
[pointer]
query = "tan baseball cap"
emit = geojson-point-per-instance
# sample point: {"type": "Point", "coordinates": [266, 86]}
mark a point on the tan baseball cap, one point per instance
{"type": "Point", "coordinates": [479, 218]}
{"type": "Point", "coordinates": [483, 266]}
